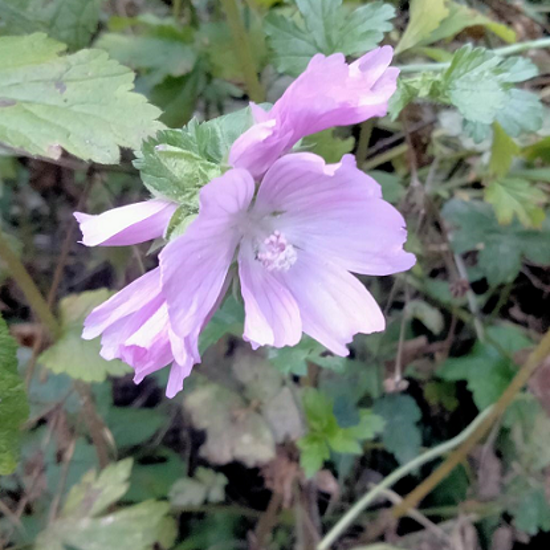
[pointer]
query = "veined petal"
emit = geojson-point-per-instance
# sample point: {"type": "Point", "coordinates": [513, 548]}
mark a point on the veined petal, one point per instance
{"type": "Point", "coordinates": [178, 373]}
{"type": "Point", "coordinates": [194, 266]}
{"type": "Point", "coordinates": [336, 212]}
{"type": "Point", "coordinates": [130, 300]}
{"type": "Point", "coordinates": [328, 93]}
{"type": "Point", "coordinates": [334, 305]}
{"type": "Point", "coordinates": [272, 315]}
{"type": "Point", "coordinates": [127, 225]}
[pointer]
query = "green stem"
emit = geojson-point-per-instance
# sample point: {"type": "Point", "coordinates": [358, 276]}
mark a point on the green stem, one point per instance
{"type": "Point", "coordinates": [386, 156]}
{"type": "Point", "coordinates": [176, 8]}
{"type": "Point", "coordinates": [395, 476]}
{"type": "Point", "coordinates": [243, 51]}
{"type": "Point", "coordinates": [505, 51]}
{"type": "Point", "coordinates": [364, 140]}
{"type": "Point", "coordinates": [26, 284]}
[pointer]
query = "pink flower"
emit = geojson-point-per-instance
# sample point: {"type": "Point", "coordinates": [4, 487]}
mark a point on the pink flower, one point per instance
{"type": "Point", "coordinates": [132, 224]}
{"type": "Point", "coordinates": [134, 323]}
{"type": "Point", "coordinates": [329, 93]}
{"type": "Point", "coordinates": [295, 241]}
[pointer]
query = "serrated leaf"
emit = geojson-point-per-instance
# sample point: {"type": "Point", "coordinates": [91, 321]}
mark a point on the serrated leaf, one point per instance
{"type": "Point", "coordinates": [503, 151]}
{"type": "Point", "coordinates": [14, 408]}
{"type": "Point", "coordinates": [325, 27]}
{"type": "Point", "coordinates": [82, 102]}
{"type": "Point", "coordinates": [479, 83]}
{"type": "Point", "coordinates": [177, 163]}
{"type": "Point", "coordinates": [72, 22]}
{"type": "Point", "coordinates": [486, 371]}
{"type": "Point", "coordinates": [425, 16]}
{"type": "Point", "coordinates": [501, 247]}
{"type": "Point", "coordinates": [401, 435]}
{"type": "Point", "coordinates": [516, 197]}
{"type": "Point", "coordinates": [72, 355]}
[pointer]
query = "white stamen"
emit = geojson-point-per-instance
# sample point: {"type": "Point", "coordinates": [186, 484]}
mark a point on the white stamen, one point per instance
{"type": "Point", "coordinates": [276, 253]}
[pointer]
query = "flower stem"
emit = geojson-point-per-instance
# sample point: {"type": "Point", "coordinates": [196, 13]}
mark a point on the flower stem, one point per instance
{"type": "Point", "coordinates": [505, 51]}
{"type": "Point", "coordinates": [176, 8]}
{"type": "Point", "coordinates": [395, 476]}
{"type": "Point", "coordinates": [27, 285]}
{"type": "Point", "coordinates": [386, 156]}
{"type": "Point", "coordinates": [243, 51]}
{"type": "Point", "coordinates": [521, 378]}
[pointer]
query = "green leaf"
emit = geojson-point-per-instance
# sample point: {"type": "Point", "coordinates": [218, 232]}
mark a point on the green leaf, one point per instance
{"type": "Point", "coordinates": [14, 408]}
{"type": "Point", "coordinates": [501, 247]}
{"type": "Point", "coordinates": [392, 185]}
{"type": "Point", "coordinates": [428, 315]}
{"type": "Point", "coordinates": [425, 17]}
{"type": "Point", "coordinates": [206, 486]}
{"type": "Point", "coordinates": [176, 164]}
{"type": "Point", "coordinates": [327, 145]}
{"type": "Point", "coordinates": [157, 56]}
{"type": "Point", "coordinates": [532, 512]}
{"type": "Point", "coordinates": [233, 430]}
{"type": "Point", "coordinates": [81, 102]}
{"type": "Point", "coordinates": [503, 151]}
{"type": "Point", "coordinates": [71, 354]}
{"type": "Point", "coordinates": [516, 197]}
{"type": "Point", "coordinates": [479, 84]}
{"type": "Point", "coordinates": [461, 17]}
{"type": "Point", "coordinates": [82, 526]}
{"type": "Point", "coordinates": [325, 26]}
{"type": "Point", "coordinates": [401, 435]}
{"type": "Point", "coordinates": [132, 426]}
{"type": "Point", "coordinates": [442, 393]}
{"type": "Point", "coordinates": [72, 22]}
{"type": "Point", "coordinates": [228, 319]}
{"type": "Point", "coordinates": [314, 451]}
{"type": "Point", "coordinates": [485, 369]}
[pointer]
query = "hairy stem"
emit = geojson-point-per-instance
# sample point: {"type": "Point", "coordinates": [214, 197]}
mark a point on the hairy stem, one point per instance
{"type": "Point", "coordinates": [26, 284]}
{"type": "Point", "coordinates": [521, 378]}
{"type": "Point", "coordinates": [505, 51]}
{"type": "Point", "coordinates": [398, 474]}
{"type": "Point", "coordinates": [243, 50]}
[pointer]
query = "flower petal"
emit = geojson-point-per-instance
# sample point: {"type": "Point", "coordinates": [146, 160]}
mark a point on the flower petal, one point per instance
{"type": "Point", "coordinates": [178, 373]}
{"type": "Point", "coordinates": [131, 299]}
{"type": "Point", "coordinates": [194, 266]}
{"type": "Point", "coordinates": [334, 305]}
{"type": "Point", "coordinates": [335, 211]}
{"type": "Point", "coordinates": [328, 93]}
{"type": "Point", "coordinates": [272, 316]}
{"type": "Point", "coordinates": [127, 225]}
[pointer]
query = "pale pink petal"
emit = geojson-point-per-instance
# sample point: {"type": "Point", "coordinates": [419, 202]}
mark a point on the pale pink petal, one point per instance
{"type": "Point", "coordinates": [194, 266]}
{"type": "Point", "coordinates": [328, 93]}
{"type": "Point", "coordinates": [127, 225]}
{"type": "Point", "coordinates": [335, 211]}
{"type": "Point", "coordinates": [130, 300]}
{"type": "Point", "coordinates": [272, 315]}
{"type": "Point", "coordinates": [178, 373]}
{"type": "Point", "coordinates": [334, 305]}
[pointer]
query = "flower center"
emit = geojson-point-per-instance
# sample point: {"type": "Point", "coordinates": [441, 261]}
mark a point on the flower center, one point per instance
{"type": "Point", "coordinates": [276, 254]}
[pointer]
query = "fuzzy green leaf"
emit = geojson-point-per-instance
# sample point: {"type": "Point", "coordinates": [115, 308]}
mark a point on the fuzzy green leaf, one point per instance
{"type": "Point", "coordinates": [72, 22]}
{"type": "Point", "coordinates": [325, 26]}
{"type": "Point", "coordinates": [71, 354]}
{"type": "Point", "coordinates": [503, 151]}
{"type": "Point", "coordinates": [82, 102]}
{"type": "Point", "coordinates": [486, 371]}
{"type": "Point", "coordinates": [14, 408]}
{"type": "Point", "coordinates": [501, 247]}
